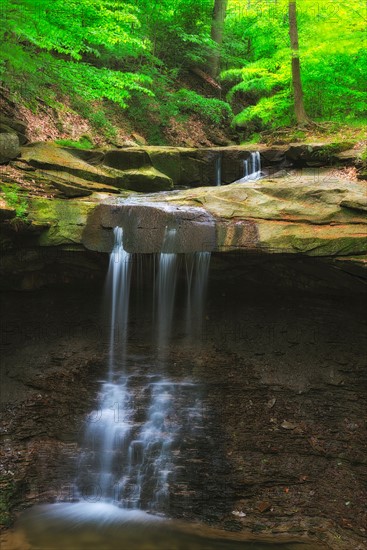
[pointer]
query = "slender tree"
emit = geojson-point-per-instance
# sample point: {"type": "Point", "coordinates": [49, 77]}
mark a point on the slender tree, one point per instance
{"type": "Point", "coordinates": [299, 108]}
{"type": "Point", "coordinates": [219, 15]}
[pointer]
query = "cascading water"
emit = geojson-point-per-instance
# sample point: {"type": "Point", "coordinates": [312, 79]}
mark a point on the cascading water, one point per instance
{"type": "Point", "coordinates": [167, 280]}
{"type": "Point", "coordinates": [118, 289]}
{"type": "Point", "coordinates": [251, 168]}
{"type": "Point", "coordinates": [134, 435]}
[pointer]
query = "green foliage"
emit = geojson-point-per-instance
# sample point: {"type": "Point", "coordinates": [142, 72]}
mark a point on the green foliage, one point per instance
{"type": "Point", "coordinates": [332, 53]}
{"type": "Point", "coordinates": [15, 200]}
{"type": "Point", "coordinates": [179, 30]}
{"type": "Point", "coordinates": [211, 109]}
{"type": "Point", "coordinates": [51, 45]}
{"type": "Point", "coordinates": [83, 143]}
{"type": "Point", "coordinates": [138, 55]}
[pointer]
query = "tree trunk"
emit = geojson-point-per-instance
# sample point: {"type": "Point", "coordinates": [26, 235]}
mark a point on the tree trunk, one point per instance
{"type": "Point", "coordinates": [299, 108]}
{"type": "Point", "coordinates": [219, 15]}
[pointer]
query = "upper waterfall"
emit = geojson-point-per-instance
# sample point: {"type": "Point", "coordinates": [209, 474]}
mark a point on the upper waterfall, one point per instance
{"type": "Point", "coordinates": [252, 168]}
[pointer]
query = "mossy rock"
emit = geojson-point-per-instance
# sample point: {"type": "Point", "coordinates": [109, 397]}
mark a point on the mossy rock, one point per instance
{"type": "Point", "coordinates": [325, 240]}
{"type": "Point", "coordinates": [66, 219]}
{"type": "Point", "coordinates": [6, 212]}
{"type": "Point", "coordinates": [144, 180]}
{"type": "Point", "coordinates": [64, 181]}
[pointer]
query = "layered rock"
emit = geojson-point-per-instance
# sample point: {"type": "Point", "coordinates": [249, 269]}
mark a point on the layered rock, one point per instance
{"type": "Point", "coordinates": [269, 216]}
{"type": "Point", "coordinates": [79, 173]}
{"type": "Point", "coordinates": [75, 172]}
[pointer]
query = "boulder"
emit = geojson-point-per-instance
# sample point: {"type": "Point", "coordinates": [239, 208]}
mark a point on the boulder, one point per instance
{"type": "Point", "coordinates": [13, 126]}
{"type": "Point", "coordinates": [9, 147]}
{"type": "Point", "coordinates": [4, 129]}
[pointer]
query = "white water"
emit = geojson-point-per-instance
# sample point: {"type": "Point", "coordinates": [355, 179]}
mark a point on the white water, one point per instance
{"type": "Point", "coordinates": [166, 288]}
{"type": "Point", "coordinates": [251, 168]}
{"type": "Point", "coordinates": [133, 436]}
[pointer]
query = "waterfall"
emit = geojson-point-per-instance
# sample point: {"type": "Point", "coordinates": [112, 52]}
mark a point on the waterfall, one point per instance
{"type": "Point", "coordinates": [118, 290]}
{"type": "Point", "coordinates": [218, 170]}
{"type": "Point", "coordinates": [133, 436]}
{"type": "Point", "coordinates": [251, 168]}
{"type": "Point", "coordinates": [167, 280]}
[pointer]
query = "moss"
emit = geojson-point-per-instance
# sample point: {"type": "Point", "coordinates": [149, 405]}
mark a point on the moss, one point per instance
{"type": "Point", "coordinates": [15, 199]}
{"type": "Point", "coordinates": [83, 143]}
{"type": "Point", "coordinates": [66, 219]}
{"type": "Point", "coordinates": [311, 240]}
